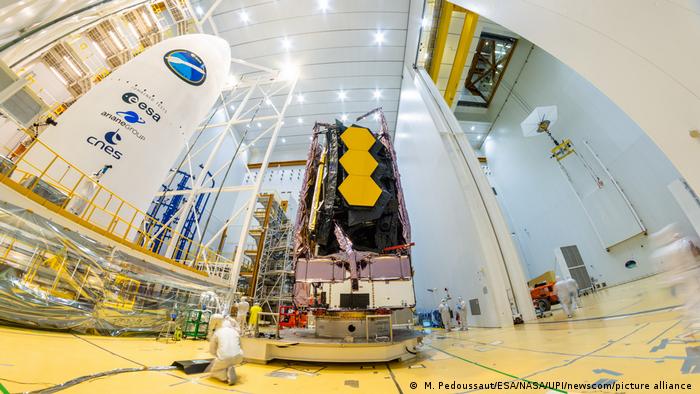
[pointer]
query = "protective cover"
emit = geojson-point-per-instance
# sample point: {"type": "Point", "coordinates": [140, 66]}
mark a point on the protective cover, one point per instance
{"type": "Point", "coordinates": [55, 278]}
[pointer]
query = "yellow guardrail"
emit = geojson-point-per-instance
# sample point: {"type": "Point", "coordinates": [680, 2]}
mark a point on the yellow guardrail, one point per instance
{"type": "Point", "coordinates": [53, 182]}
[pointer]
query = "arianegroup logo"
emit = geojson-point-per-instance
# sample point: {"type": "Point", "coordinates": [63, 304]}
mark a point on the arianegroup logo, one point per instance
{"type": "Point", "coordinates": [125, 120]}
{"type": "Point", "coordinates": [187, 66]}
{"type": "Point", "coordinates": [108, 143]}
{"type": "Point", "coordinates": [131, 117]}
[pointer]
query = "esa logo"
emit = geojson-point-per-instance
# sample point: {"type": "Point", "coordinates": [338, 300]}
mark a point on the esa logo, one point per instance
{"type": "Point", "coordinates": [132, 98]}
{"type": "Point", "coordinates": [107, 144]}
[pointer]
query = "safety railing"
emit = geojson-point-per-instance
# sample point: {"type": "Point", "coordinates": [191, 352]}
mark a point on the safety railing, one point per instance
{"type": "Point", "coordinates": [43, 175]}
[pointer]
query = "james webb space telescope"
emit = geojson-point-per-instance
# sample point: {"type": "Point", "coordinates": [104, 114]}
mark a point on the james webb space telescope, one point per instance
{"type": "Point", "coordinates": [352, 235]}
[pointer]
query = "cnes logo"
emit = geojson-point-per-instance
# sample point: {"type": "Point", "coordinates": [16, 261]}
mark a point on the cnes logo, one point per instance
{"type": "Point", "coordinates": [107, 144]}
{"type": "Point", "coordinates": [133, 98]}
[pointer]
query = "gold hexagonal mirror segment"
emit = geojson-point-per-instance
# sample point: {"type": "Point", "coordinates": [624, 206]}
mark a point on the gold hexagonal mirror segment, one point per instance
{"type": "Point", "coordinates": [360, 190]}
{"type": "Point", "coordinates": [358, 138]}
{"type": "Point", "coordinates": [358, 162]}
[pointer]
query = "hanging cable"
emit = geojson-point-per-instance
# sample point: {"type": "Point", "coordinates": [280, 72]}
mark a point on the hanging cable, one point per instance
{"type": "Point", "coordinates": [228, 169]}
{"type": "Point", "coordinates": [589, 169]}
{"type": "Point", "coordinates": [161, 199]}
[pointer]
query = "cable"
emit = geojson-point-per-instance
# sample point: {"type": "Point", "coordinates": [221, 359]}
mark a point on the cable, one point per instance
{"type": "Point", "coordinates": [109, 351]}
{"type": "Point", "coordinates": [86, 378]}
{"type": "Point", "coordinates": [18, 382]}
{"type": "Point", "coordinates": [162, 198]}
{"type": "Point", "coordinates": [512, 89]}
{"type": "Point", "coordinates": [228, 169]}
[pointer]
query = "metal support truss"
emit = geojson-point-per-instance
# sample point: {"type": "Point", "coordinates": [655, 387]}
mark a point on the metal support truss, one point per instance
{"type": "Point", "coordinates": [256, 101]}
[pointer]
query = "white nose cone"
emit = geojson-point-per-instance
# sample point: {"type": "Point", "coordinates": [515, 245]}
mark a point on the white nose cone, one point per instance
{"type": "Point", "coordinates": [138, 119]}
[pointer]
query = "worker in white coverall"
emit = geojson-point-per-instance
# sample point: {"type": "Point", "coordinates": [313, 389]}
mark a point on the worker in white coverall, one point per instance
{"type": "Point", "coordinates": [225, 345]}
{"type": "Point", "coordinates": [462, 314]}
{"type": "Point", "coordinates": [679, 257]}
{"type": "Point", "coordinates": [444, 314]}
{"type": "Point", "coordinates": [565, 292]}
{"type": "Point", "coordinates": [575, 302]}
{"type": "Point", "coordinates": [242, 313]}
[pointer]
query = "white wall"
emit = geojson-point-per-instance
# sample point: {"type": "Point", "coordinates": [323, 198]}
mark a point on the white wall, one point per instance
{"type": "Point", "coordinates": [541, 206]}
{"type": "Point", "coordinates": [285, 181]}
{"type": "Point", "coordinates": [635, 51]}
{"type": "Point", "coordinates": [455, 246]}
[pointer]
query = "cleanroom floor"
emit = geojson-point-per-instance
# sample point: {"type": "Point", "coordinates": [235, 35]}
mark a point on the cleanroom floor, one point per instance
{"type": "Point", "coordinates": [629, 334]}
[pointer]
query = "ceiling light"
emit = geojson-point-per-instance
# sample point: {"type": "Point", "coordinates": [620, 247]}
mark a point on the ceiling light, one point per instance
{"type": "Point", "coordinates": [342, 95]}
{"type": "Point", "coordinates": [300, 98]}
{"type": "Point", "coordinates": [473, 128]}
{"type": "Point", "coordinates": [58, 75]}
{"type": "Point", "coordinates": [244, 16]}
{"type": "Point", "coordinates": [288, 72]}
{"type": "Point", "coordinates": [99, 50]}
{"type": "Point", "coordinates": [375, 116]}
{"type": "Point", "coordinates": [199, 10]}
{"type": "Point", "coordinates": [311, 138]}
{"type": "Point", "coordinates": [343, 117]}
{"type": "Point", "coordinates": [116, 40]}
{"type": "Point", "coordinates": [268, 101]}
{"type": "Point", "coordinates": [133, 29]}
{"type": "Point", "coordinates": [478, 137]}
{"type": "Point", "coordinates": [284, 140]}
{"type": "Point", "coordinates": [379, 37]}
{"type": "Point", "coordinates": [147, 20]}
{"type": "Point", "coordinates": [425, 22]}
{"type": "Point", "coordinates": [426, 55]}
{"type": "Point", "coordinates": [73, 66]}
{"type": "Point", "coordinates": [232, 107]}
{"type": "Point", "coordinates": [300, 120]}
{"type": "Point", "coordinates": [259, 125]}
{"type": "Point", "coordinates": [286, 44]}
{"type": "Point", "coordinates": [377, 94]}
{"type": "Point", "coordinates": [323, 5]}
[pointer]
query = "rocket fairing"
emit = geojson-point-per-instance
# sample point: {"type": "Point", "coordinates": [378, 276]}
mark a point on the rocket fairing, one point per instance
{"type": "Point", "coordinates": [352, 233]}
{"type": "Point", "coordinates": [139, 118]}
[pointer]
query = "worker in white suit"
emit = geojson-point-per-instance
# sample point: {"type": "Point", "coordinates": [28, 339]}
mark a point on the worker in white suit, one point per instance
{"type": "Point", "coordinates": [242, 314]}
{"type": "Point", "coordinates": [461, 314]}
{"type": "Point", "coordinates": [678, 257]}
{"type": "Point", "coordinates": [225, 345]}
{"type": "Point", "coordinates": [575, 302]}
{"type": "Point", "coordinates": [565, 292]}
{"type": "Point", "coordinates": [444, 310]}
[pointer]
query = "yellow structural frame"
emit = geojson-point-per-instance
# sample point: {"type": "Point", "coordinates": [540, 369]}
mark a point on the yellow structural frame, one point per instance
{"type": "Point", "coordinates": [466, 37]}
{"type": "Point", "coordinates": [440, 39]}
{"type": "Point", "coordinates": [465, 41]}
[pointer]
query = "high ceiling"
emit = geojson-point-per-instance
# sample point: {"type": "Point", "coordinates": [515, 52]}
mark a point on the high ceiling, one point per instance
{"type": "Point", "coordinates": [349, 54]}
{"type": "Point", "coordinates": [346, 53]}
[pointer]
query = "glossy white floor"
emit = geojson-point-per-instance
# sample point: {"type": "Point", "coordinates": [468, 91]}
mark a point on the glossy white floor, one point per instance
{"type": "Point", "coordinates": [628, 334]}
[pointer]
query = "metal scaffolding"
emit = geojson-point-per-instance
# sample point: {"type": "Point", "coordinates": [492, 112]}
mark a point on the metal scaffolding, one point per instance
{"type": "Point", "coordinates": [274, 278]}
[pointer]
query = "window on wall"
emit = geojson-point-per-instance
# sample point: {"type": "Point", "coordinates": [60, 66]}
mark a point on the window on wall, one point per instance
{"type": "Point", "coordinates": [493, 52]}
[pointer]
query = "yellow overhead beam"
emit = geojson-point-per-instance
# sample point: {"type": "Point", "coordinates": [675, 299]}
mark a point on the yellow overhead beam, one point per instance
{"type": "Point", "coordinates": [440, 39]}
{"type": "Point", "coordinates": [465, 41]}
